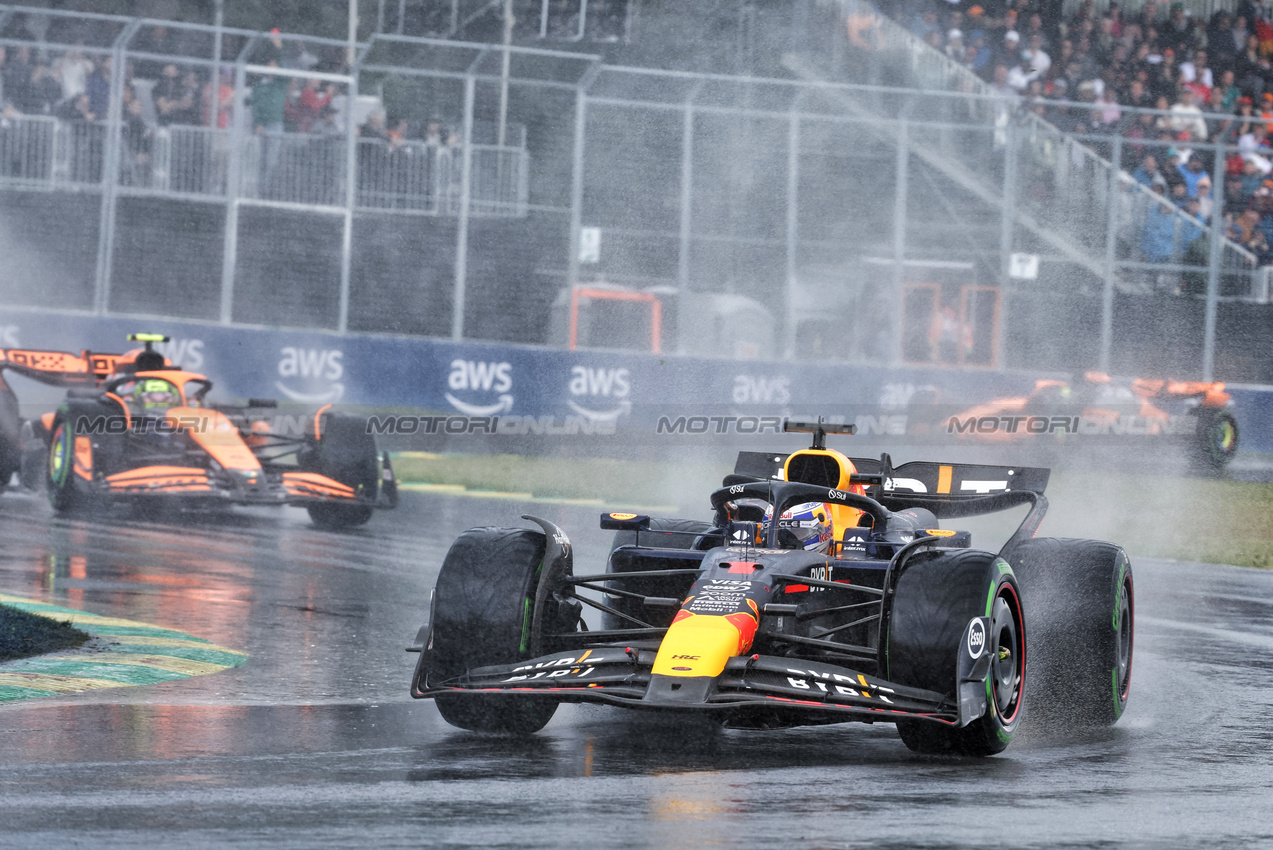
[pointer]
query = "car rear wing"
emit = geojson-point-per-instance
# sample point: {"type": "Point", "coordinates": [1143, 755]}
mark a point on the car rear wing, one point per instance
{"type": "Point", "coordinates": [59, 368]}
{"type": "Point", "coordinates": [956, 479]}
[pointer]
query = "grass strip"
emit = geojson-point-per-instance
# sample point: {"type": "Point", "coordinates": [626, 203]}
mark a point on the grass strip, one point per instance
{"type": "Point", "coordinates": [23, 635]}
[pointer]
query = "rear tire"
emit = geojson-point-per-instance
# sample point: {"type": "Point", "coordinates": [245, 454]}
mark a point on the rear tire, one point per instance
{"type": "Point", "coordinates": [1217, 439]}
{"type": "Point", "coordinates": [666, 587]}
{"type": "Point", "coordinates": [10, 437]}
{"type": "Point", "coordinates": [483, 606]}
{"type": "Point", "coordinates": [1081, 597]}
{"type": "Point", "coordinates": [937, 594]}
{"type": "Point", "coordinates": [345, 452]}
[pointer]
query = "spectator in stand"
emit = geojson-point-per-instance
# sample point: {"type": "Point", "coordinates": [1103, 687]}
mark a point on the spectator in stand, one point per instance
{"type": "Point", "coordinates": [980, 56]}
{"type": "Point", "coordinates": [268, 100]}
{"type": "Point", "coordinates": [191, 111]}
{"type": "Point", "coordinates": [955, 48]}
{"type": "Point", "coordinates": [225, 101]}
{"type": "Point", "coordinates": [1252, 177]}
{"type": "Point", "coordinates": [168, 95]}
{"type": "Point", "coordinates": [98, 87]}
{"type": "Point", "coordinates": [314, 97]}
{"type": "Point", "coordinates": [1040, 61]}
{"type": "Point", "coordinates": [72, 72]}
{"type": "Point", "coordinates": [1266, 109]}
{"type": "Point", "coordinates": [1255, 140]}
{"type": "Point", "coordinates": [1206, 204]}
{"type": "Point", "coordinates": [1251, 68]}
{"type": "Point", "coordinates": [1186, 118]}
{"type": "Point", "coordinates": [1021, 75]}
{"type": "Point", "coordinates": [1137, 97]}
{"type": "Point", "coordinates": [1163, 80]}
{"type": "Point", "coordinates": [41, 94]}
{"type": "Point", "coordinates": [1009, 54]}
{"type": "Point", "coordinates": [1220, 39]}
{"type": "Point", "coordinates": [1177, 31]}
{"type": "Point", "coordinates": [1162, 121]}
{"type": "Point", "coordinates": [374, 128]}
{"type": "Point", "coordinates": [1192, 172]}
{"type": "Point", "coordinates": [137, 138]}
{"type": "Point", "coordinates": [1147, 174]}
{"type": "Point", "coordinates": [1234, 197]}
{"type": "Point", "coordinates": [1157, 234]}
{"type": "Point", "coordinates": [16, 77]}
{"type": "Point", "coordinates": [1195, 73]}
{"type": "Point", "coordinates": [1229, 92]}
{"type": "Point", "coordinates": [269, 95]}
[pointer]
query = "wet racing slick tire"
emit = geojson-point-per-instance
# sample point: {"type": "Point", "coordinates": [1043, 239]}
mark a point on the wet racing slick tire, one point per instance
{"type": "Point", "coordinates": [1216, 439]}
{"type": "Point", "coordinates": [937, 594]}
{"type": "Point", "coordinates": [68, 490]}
{"type": "Point", "coordinates": [10, 437]}
{"type": "Point", "coordinates": [483, 607]}
{"type": "Point", "coordinates": [35, 455]}
{"type": "Point", "coordinates": [1082, 616]}
{"type": "Point", "coordinates": [346, 452]}
{"type": "Point", "coordinates": [669, 587]}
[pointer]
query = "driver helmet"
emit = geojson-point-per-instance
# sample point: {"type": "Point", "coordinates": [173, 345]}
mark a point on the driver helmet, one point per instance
{"type": "Point", "coordinates": [154, 395]}
{"type": "Point", "coordinates": [806, 526]}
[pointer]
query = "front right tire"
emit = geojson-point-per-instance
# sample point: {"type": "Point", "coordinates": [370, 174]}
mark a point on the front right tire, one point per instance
{"type": "Point", "coordinates": [937, 594]}
{"type": "Point", "coordinates": [483, 610]}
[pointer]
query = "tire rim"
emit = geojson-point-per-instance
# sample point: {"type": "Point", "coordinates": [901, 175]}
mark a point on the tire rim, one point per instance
{"type": "Point", "coordinates": [1124, 668]}
{"type": "Point", "coordinates": [58, 456]}
{"type": "Point", "coordinates": [1007, 667]}
{"type": "Point", "coordinates": [1226, 437]}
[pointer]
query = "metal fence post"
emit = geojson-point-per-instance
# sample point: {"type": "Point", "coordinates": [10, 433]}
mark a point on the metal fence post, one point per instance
{"type": "Point", "coordinates": [793, 229]}
{"type": "Point", "coordinates": [110, 174]}
{"type": "Point", "coordinates": [1213, 264]}
{"type": "Point", "coordinates": [462, 230]}
{"type": "Point", "coordinates": [900, 190]}
{"type": "Point", "coordinates": [687, 201]}
{"type": "Point", "coordinates": [351, 199]}
{"type": "Point", "coordinates": [1111, 243]}
{"type": "Point", "coordinates": [576, 187]}
{"type": "Point", "coordinates": [1006, 232]}
{"type": "Point", "coordinates": [230, 248]}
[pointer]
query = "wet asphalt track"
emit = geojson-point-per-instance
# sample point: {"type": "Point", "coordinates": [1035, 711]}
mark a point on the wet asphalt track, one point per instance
{"type": "Point", "coordinates": [315, 741]}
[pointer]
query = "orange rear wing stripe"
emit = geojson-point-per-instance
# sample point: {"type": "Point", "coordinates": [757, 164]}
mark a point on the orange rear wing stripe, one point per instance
{"type": "Point", "coordinates": [59, 367]}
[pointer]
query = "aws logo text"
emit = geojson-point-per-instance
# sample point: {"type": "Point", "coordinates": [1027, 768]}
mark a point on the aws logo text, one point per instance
{"type": "Point", "coordinates": [587, 382]}
{"type": "Point", "coordinates": [319, 369]}
{"type": "Point", "coordinates": [482, 376]}
{"type": "Point", "coordinates": [757, 389]}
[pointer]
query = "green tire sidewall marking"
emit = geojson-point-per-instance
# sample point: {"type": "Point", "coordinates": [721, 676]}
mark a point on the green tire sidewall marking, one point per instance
{"type": "Point", "coordinates": [1005, 569]}
{"type": "Point", "coordinates": [59, 453]}
{"type": "Point", "coordinates": [1116, 622]}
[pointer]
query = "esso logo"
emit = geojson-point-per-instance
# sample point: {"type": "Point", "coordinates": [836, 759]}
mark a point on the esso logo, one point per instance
{"type": "Point", "coordinates": [976, 639]}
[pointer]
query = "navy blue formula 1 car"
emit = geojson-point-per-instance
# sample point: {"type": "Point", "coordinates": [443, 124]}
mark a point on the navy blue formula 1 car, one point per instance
{"type": "Point", "coordinates": [824, 589]}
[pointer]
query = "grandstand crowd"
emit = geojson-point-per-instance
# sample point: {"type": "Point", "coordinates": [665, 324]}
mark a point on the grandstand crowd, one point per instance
{"type": "Point", "coordinates": [1198, 80]}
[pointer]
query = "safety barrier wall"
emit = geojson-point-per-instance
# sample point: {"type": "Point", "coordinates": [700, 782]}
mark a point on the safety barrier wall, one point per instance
{"type": "Point", "coordinates": [606, 393]}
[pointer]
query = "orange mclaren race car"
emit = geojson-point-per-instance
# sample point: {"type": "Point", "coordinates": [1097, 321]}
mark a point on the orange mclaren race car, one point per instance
{"type": "Point", "coordinates": [1194, 415]}
{"type": "Point", "coordinates": [134, 427]}
{"type": "Point", "coordinates": [824, 589]}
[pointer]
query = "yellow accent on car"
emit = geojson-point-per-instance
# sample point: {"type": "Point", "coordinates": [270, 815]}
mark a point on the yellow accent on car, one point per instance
{"type": "Point", "coordinates": [698, 645]}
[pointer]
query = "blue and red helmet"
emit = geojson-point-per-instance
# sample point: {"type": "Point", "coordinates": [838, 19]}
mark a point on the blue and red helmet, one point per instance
{"type": "Point", "coordinates": [807, 526]}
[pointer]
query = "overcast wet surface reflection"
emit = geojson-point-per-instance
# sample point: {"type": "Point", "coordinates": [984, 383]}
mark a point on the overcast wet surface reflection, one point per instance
{"type": "Point", "coordinates": [315, 739]}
